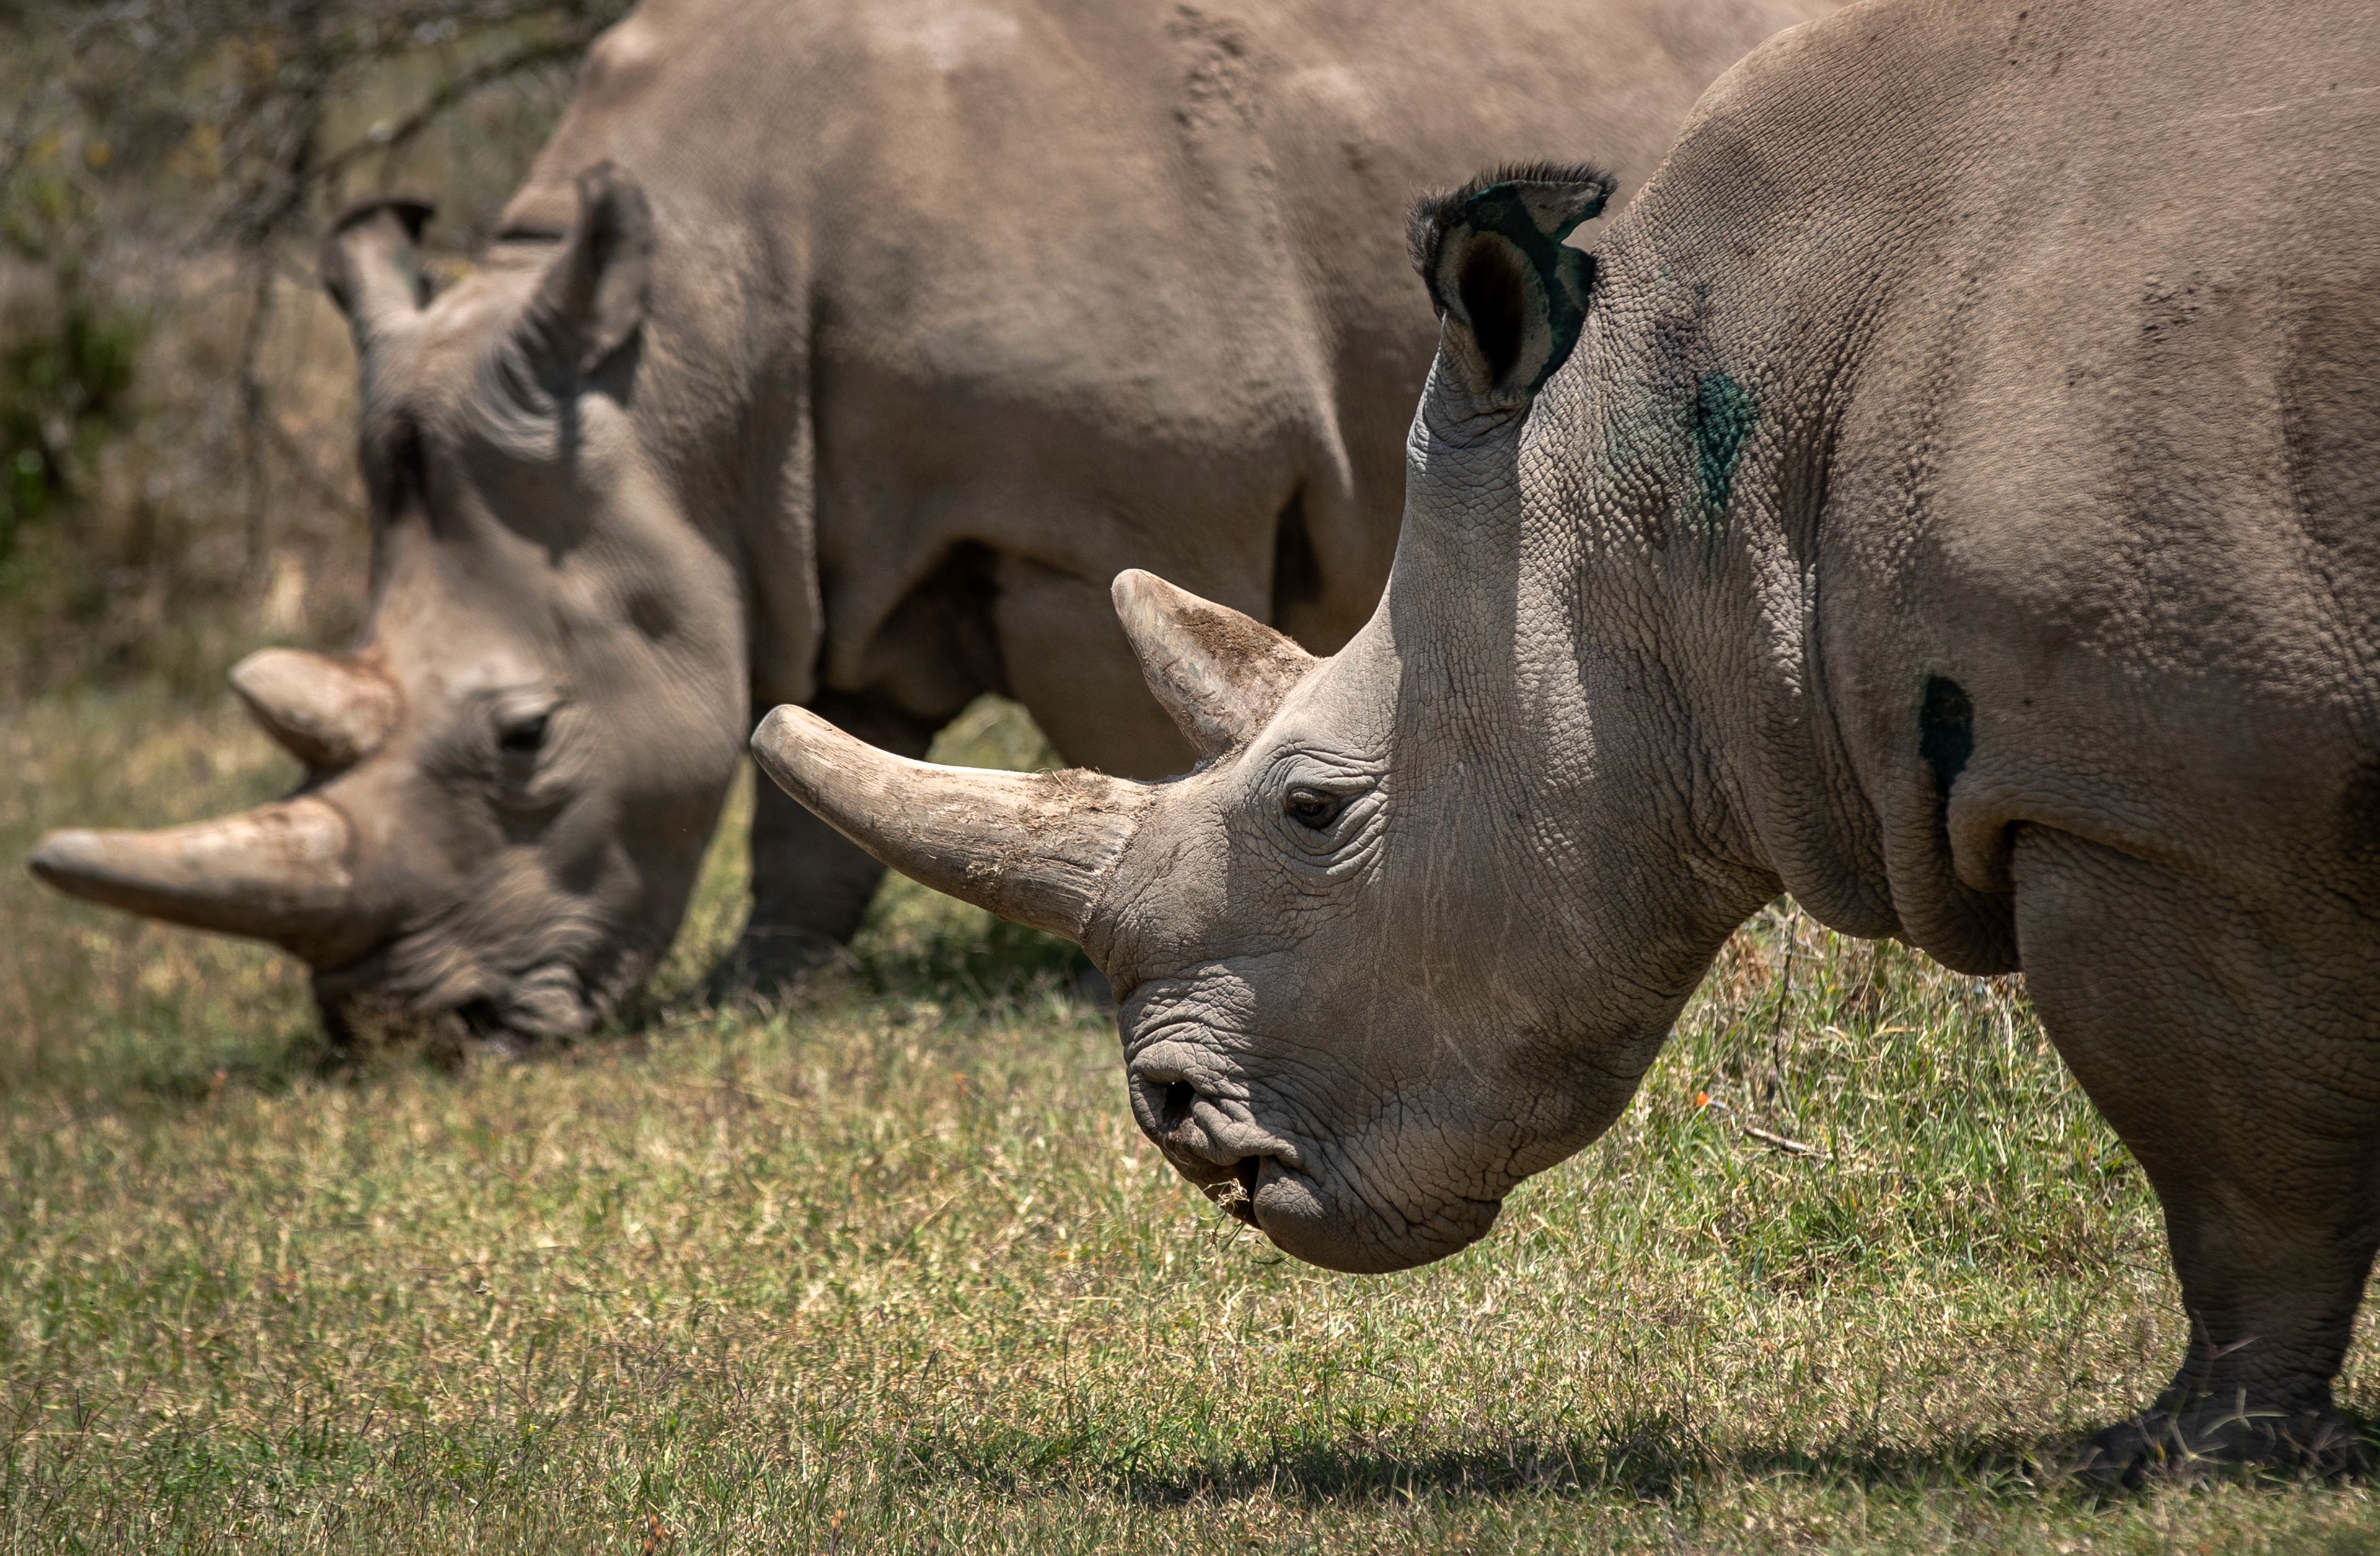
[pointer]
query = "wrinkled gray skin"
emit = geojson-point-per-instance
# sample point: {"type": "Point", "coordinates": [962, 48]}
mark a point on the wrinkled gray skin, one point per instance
{"type": "Point", "coordinates": [838, 355]}
{"type": "Point", "coordinates": [1961, 509]}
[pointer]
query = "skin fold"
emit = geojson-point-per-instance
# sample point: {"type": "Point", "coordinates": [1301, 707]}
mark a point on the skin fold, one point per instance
{"type": "Point", "coordinates": [1948, 493]}
{"type": "Point", "coordinates": [838, 355]}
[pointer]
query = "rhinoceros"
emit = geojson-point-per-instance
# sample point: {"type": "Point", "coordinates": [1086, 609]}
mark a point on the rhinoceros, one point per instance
{"type": "Point", "coordinates": [1949, 492]}
{"type": "Point", "coordinates": [839, 353]}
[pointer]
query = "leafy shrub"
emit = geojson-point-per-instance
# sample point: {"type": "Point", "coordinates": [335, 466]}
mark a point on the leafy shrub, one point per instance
{"type": "Point", "coordinates": [65, 373]}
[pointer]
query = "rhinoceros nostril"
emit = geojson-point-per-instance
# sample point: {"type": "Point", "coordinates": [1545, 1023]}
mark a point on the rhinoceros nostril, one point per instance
{"type": "Point", "coordinates": [480, 1018]}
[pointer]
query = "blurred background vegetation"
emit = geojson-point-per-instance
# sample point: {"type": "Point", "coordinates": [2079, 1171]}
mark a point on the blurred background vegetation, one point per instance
{"type": "Point", "coordinates": [177, 398]}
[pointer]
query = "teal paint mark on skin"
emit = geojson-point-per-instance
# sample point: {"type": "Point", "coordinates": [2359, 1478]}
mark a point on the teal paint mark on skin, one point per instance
{"type": "Point", "coordinates": [1721, 423]}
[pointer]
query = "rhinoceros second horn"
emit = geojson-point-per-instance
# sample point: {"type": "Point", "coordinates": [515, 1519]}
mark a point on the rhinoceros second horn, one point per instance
{"type": "Point", "coordinates": [278, 872]}
{"type": "Point", "coordinates": [1031, 846]}
{"type": "Point", "coordinates": [1218, 674]}
{"type": "Point", "coordinates": [327, 713]}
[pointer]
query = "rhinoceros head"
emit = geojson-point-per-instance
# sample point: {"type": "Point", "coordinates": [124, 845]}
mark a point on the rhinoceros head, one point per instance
{"type": "Point", "coordinates": [1409, 932]}
{"type": "Point", "coordinates": [511, 782]}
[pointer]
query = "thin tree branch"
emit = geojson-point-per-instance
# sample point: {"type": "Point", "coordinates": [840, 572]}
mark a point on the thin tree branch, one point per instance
{"type": "Point", "coordinates": [450, 93]}
{"type": "Point", "coordinates": [255, 410]}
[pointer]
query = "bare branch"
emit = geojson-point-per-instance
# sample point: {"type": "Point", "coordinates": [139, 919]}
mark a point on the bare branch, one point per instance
{"type": "Point", "coordinates": [452, 94]}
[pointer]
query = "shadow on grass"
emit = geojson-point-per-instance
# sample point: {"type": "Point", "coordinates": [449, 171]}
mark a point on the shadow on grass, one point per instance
{"type": "Point", "coordinates": [166, 1069]}
{"type": "Point", "coordinates": [971, 969]}
{"type": "Point", "coordinates": [1656, 1458]}
{"type": "Point", "coordinates": [968, 962]}
{"type": "Point", "coordinates": [969, 977]}
{"type": "Point", "coordinates": [269, 1068]}
{"type": "Point", "coordinates": [1653, 1460]}
{"type": "Point", "coordinates": [996, 963]}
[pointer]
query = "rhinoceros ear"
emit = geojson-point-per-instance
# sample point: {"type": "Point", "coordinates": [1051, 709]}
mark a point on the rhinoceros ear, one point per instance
{"type": "Point", "coordinates": [371, 264]}
{"type": "Point", "coordinates": [1220, 674]}
{"type": "Point", "coordinates": [593, 295]}
{"type": "Point", "coordinates": [1509, 294]}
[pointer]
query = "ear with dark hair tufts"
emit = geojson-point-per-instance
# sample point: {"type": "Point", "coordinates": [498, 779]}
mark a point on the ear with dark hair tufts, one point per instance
{"type": "Point", "coordinates": [1512, 295]}
{"type": "Point", "coordinates": [593, 295]}
{"type": "Point", "coordinates": [372, 264]}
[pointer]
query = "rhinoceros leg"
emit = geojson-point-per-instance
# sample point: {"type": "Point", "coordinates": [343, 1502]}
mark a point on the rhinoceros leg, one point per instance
{"type": "Point", "coordinates": [2231, 1043]}
{"type": "Point", "coordinates": [810, 887]}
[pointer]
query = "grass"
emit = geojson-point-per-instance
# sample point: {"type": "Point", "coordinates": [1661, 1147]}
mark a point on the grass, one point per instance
{"type": "Point", "coordinates": [889, 1269]}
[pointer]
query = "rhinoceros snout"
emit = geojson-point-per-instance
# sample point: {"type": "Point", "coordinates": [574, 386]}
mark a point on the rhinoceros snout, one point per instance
{"type": "Point", "coordinates": [1215, 1142]}
{"type": "Point", "coordinates": [1298, 1190]}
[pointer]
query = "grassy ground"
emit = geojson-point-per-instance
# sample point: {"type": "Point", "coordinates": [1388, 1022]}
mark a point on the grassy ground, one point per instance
{"type": "Point", "coordinates": [889, 1269]}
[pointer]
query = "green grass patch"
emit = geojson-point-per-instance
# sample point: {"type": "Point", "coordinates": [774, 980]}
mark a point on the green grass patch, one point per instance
{"type": "Point", "coordinates": [887, 1268]}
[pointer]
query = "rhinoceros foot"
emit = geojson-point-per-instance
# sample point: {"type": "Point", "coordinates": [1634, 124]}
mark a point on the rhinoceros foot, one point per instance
{"type": "Point", "coordinates": [2208, 1435]}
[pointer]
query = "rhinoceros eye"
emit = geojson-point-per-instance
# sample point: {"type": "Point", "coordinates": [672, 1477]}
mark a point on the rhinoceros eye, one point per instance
{"type": "Point", "coordinates": [1312, 808]}
{"type": "Point", "coordinates": [522, 736]}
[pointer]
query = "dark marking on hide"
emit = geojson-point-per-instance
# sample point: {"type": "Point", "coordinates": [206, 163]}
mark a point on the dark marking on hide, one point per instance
{"type": "Point", "coordinates": [1721, 423]}
{"type": "Point", "coordinates": [1946, 731]}
{"type": "Point", "coordinates": [1296, 570]}
{"type": "Point", "coordinates": [1674, 336]}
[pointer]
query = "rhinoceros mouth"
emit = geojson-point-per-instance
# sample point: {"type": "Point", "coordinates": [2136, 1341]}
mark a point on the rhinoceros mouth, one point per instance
{"type": "Point", "coordinates": [424, 975]}
{"type": "Point", "coordinates": [1234, 1193]}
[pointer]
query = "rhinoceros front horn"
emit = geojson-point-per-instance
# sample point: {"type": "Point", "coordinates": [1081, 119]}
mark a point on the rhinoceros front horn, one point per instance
{"type": "Point", "coordinates": [279, 872]}
{"type": "Point", "coordinates": [327, 713]}
{"type": "Point", "coordinates": [1031, 846]}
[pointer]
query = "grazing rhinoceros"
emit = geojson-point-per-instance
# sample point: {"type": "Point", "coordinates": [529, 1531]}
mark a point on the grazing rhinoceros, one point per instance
{"type": "Point", "coordinates": [839, 353]}
{"type": "Point", "coordinates": [1952, 496]}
